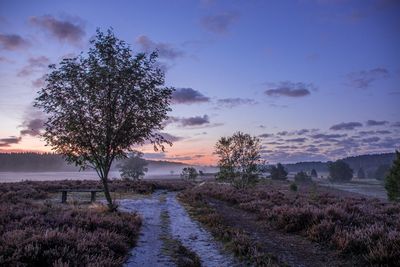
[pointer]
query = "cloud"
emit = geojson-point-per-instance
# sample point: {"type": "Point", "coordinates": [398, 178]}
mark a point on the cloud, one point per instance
{"type": "Point", "coordinates": [195, 121]}
{"type": "Point", "coordinates": [6, 142]}
{"type": "Point", "coordinates": [39, 82]}
{"type": "Point", "coordinates": [233, 102]}
{"type": "Point", "coordinates": [373, 139]}
{"type": "Point", "coordinates": [13, 42]}
{"type": "Point", "coordinates": [33, 123]}
{"type": "Point", "coordinates": [165, 50]}
{"type": "Point", "coordinates": [376, 123]}
{"type": "Point", "coordinates": [64, 31]}
{"type": "Point", "coordinates": [289, 89]}
{"type": "Point", "coordinates": [188, 96]}
{"type": "Point", "coordinates": [171, 138]}
{"type": "Point", "coordinates": [363, 79]}
{"type": "Point", "coordinates": [219, 23]}
{"type": "Point", "coordinates": [297, 140]}
{"type": "Point", "coordinates": [396, 124]}
{"type": "Point", "coordinates": [346, 126]}
{"type": "Point", "coordinates": [34, 64]}
{"type": "Point", "coordinates": [266, 135]}
{"type": "Point", "coordinates": [327, 137]}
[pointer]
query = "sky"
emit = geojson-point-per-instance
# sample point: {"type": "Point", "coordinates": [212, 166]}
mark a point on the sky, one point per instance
{"type": "Point", "coordinates": [313, 79]}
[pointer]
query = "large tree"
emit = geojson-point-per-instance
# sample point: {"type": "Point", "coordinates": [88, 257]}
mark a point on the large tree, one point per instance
{"type": "Point", "coordinates": [278, 172]}
{"type": "Point", "coordinates": [101, 104]}
{"type": "Point", "coordinates": [239, 158]}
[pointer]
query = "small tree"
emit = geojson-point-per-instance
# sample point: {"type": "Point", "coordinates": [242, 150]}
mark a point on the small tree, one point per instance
{"type": "Point", "coordinates": [392, 180]}
{"type": "Point", "coordinates": [382, 171]}
{"type": "Point", "coordinates": [361, 173]}
{"type": "Point", "coordinates": [102, 104]}
{"type": "Point", "coordinates": [314, 173]}
{"type": "Point", "coordinates": [278, 172]}
{"type": "Point", "coordinates": [134, 167]}
{"type": "Point", "coordinates": [239, 156]}
{"type": "Point", "coordinates": [189, 173]}
{"type": "Point", "coordinates": [340, 171]}
{"type": "Point", "coordinates": [302, 177]}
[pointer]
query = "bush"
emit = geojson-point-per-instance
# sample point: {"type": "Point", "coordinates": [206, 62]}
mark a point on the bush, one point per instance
{"type": "Point", "coordinates": [340, 171]}
{"type": "Point", "coordinates": [278, 172]}
{"type": "Point", "coordinates": [302, 177]}
{"type": "Point", "coordinates": [314, 173]}
{"type": "Point", "coordinates": [293, 187]}
{"type": "Point", "coordinates": [392, 181]}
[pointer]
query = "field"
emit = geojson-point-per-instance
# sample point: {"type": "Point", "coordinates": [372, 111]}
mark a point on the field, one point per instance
{"type": "Point", "coordinates": [266, 225]}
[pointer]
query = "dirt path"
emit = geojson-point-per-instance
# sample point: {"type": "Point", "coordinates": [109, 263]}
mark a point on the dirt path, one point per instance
{"type": "Point", "coordinates": [152, 248]}
{"type": "Point", "coordinates": [288, 248]}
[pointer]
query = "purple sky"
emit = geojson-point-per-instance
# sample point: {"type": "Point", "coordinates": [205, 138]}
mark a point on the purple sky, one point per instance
{"type": "Point", "coordinates": [315, 79]}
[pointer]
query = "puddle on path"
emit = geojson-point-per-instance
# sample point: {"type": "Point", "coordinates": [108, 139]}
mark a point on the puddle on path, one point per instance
{"type": "Point", "coordinates": [149, 249]}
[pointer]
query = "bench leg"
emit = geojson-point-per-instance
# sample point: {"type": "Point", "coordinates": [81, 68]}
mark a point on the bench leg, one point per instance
{"type": "Point", "coordinates": [93, 197]}
{"type": "Point", "coordinates": [64, 197]}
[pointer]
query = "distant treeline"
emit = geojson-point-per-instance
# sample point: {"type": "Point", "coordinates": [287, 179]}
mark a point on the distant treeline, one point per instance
{"type": "Point", "coordinates": [43, 162]}
{"type": "Point", "coordinates": [369, 163]}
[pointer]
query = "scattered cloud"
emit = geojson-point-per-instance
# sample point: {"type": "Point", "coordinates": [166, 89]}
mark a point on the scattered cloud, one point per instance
{"type": "Point", "coordinates": [13, 42]}
{"type": "Point", "coordinates": [195, 121]}
{"type": "Point", "coordinates": [6, 142]}
{"type": "Point", "coordinates": [34, 64]}
{"type": "Point", "coordinates": [188, 96]}
{"type": "Point", "coordinates": [233, 102]}
{"type": "Point", "coordinates": [171, 138]}
{"type": "Point", "coordinates": [165, 50]}
{"type": "Point", "coordinates": [376, 123]}
{"type": "Point", "coordinates": [327, 136]}
{"type": "Point", "coordinates": [346, 126]}
{"type": "Point", "coordinates": [289, 89]}
{"type": "Point", "coordinates": [39, 82]}
{"type": "Point", "coordinates": [33, 123]}
{"type": "Point", "coordinates": [62, 30]}
{"type": "Point", "coordinates": [396, 124]}
{"type": "Point", "coordinates": [219, 23]}
{"type": "Point", "coordinates": [297, 140]}
{"type": "Point", "coordinates": [266, 135]}
{"type": "Point", "coordinates": [363, 79]}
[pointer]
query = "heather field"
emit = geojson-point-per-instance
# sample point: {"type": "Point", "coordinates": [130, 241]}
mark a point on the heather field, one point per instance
{"type": "Point", "coordinates": [349, 229]}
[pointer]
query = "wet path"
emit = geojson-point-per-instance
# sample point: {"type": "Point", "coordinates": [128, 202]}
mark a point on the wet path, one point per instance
{"type": "Point", "coordinates": [150, 249]}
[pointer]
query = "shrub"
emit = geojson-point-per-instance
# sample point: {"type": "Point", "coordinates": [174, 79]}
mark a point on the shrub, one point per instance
{"type": "Point", "coordinates": [302, 177]}
{"type": "Point", "coordinates": [392, 181]}
{"type": "Point", "coordinates": [293, 187]}
{"type": "Point", "coordinates": [189, 174]}
{"type": "Point", "coordinates": [278, 172]}
{"type": "Point", "coordinates": [314, 173]}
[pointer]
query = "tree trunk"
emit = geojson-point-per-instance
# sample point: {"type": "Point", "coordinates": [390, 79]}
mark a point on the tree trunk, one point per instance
{"type": "Point", "coordinates": [110, 204]}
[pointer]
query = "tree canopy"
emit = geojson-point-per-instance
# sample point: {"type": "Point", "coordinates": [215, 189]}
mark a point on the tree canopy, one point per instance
{"type": "Point", "coordinates": [134, 167]}
{"type": "Point", "coordinates": [278, 172]}
{"type": "Point", "coordinates": [340, 171]}
{"type": "Point", "coordinates": [239, 158]}
{"type": "Point", "coordinates": [101, 104]}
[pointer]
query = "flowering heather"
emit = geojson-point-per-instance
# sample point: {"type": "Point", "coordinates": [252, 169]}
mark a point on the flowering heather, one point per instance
{"type": "Point", "coordinates": [356, 226]}
{"type": "Point", "coordinates": [38, 232]}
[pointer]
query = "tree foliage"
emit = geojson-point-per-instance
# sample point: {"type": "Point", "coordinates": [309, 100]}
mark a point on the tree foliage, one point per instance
{"type": "Point", "coordinates": [314, 173]}
{"type": "Point", "coordinates": [361, 174]}
{"type": "Point", "coordinates": [382, 171]}
{"type": "Point", "coordinates": [134, 167]}
{"type": "Point", "coordinates": [189, 173]}
{"type": "Point", "coordinates": [239, 158]}
{"type": "Point", "coordinates": [340, 171]}
{"type": "Point", "coordinates": [101, 104]}
{"type": "Point", "coordinates": [392, 180]}
{"type": "Point", "coordinates": [278, 172]}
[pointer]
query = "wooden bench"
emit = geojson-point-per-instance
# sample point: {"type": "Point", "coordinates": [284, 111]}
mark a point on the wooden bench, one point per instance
{"type": "Point", "coordinates": [92, 193]}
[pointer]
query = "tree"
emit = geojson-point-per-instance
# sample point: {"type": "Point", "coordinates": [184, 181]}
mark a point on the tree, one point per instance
{"type": "Point", "coordinates": [382, 171]}
{"type": "Point", "coordinates": [239, 157]}
{"type": "Point", "coordinates": [278, 172]}
{"type": "Point", "coordinates": [302, 177]}
{"type": "Point", "coordinates": [361, 173]}
{"type": "Point", "coordinates": [340, 171]}
{"type": "Point", "coordinates": [101, 104]}
{"type": "Point", "coordinates": [189, 173]}
{"type": "Point", "coordinates": [134, 167]}
{"type": "Point", "coordinates": [392, 180]}
{"type": "Point", "coordinates": [314, 173]}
